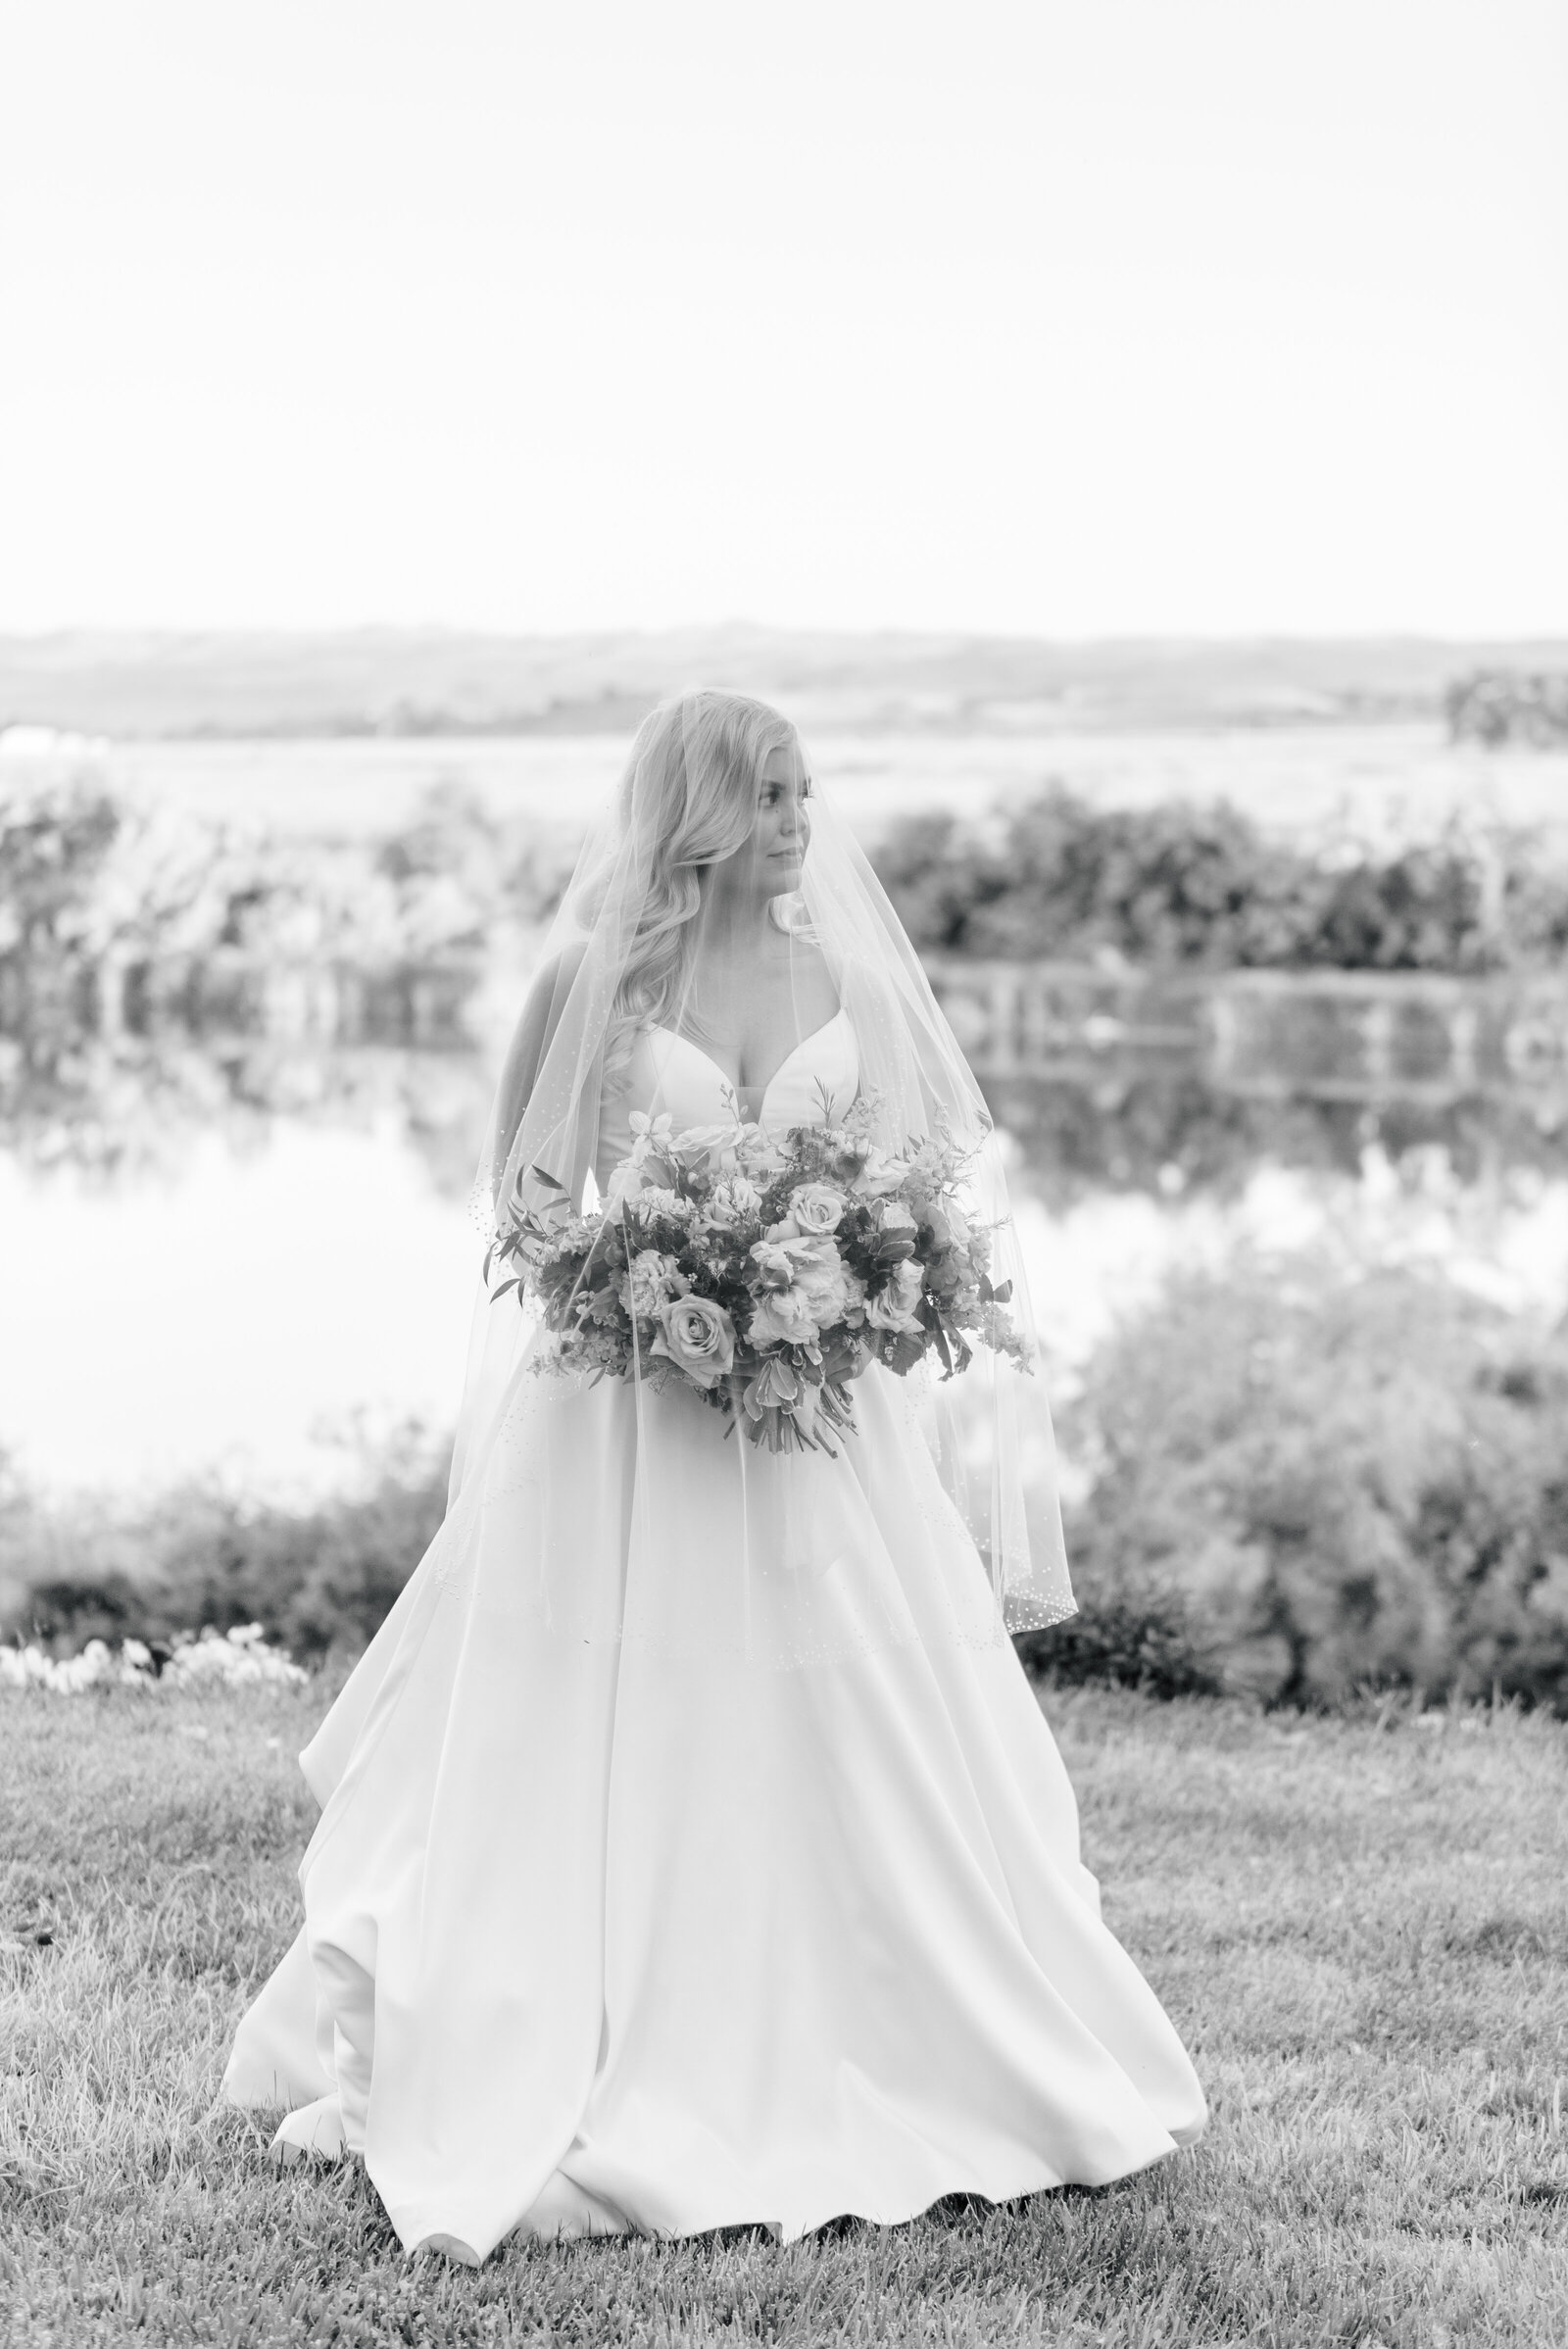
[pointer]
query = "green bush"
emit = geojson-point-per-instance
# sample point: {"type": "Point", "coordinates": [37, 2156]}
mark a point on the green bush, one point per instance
{"type": "Point", "coordinates": [1304, 1485]}
{"type": "Point", "coordinates": [1177, 885]}
{"type": "Point", "coordinates": [317, 1578]}
{"type": "Point", "coordinates": [1145, 1638]}
{"type": "Point", "coordinates": [140, 950]}
{"type": "Point", "coordinates": [1301, 1486]}
{"type": "Point", "coordinates": [87, 874]}
{"type": "Point", "coordinates": [1507, 706]}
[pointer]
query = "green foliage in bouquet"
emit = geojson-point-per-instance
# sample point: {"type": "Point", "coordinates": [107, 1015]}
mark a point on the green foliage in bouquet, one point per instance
{"type": "Point", "coordinates": [765, 1277]}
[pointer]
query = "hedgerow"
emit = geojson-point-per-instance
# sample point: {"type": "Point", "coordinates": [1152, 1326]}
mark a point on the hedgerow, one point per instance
{"type": "Point", "coordinates": [1306, 1485]}
{"type": "Point", "coordinates": [1180, 885]}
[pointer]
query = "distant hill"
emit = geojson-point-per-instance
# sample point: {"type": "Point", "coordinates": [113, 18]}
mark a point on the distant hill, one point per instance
{"type": "Point", "coordinates": [434, 681]}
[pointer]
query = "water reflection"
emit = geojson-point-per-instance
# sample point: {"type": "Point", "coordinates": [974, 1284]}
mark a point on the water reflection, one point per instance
{"type": "Point", "coordinates": [214, 1252]}
{"type": "Point", "coordinates": [118, 1108]}
{"type": "Point", "coordinates": [1134, 1128]}
{"type": "Point", "coordinates": [218, 1251]}
{"type": "Point", "coordinates": [231, 1315]}
{"type": "Point", "coordinates": [1096, 1253]}
{"type": "Point", "coordinates": [122, 1106]}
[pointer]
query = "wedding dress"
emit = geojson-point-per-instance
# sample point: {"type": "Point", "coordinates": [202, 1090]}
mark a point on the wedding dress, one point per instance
{"type": "Point", "coordinates": [663, 1931]}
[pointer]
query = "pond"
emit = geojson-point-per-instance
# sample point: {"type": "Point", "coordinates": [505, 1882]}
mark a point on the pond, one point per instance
{"type": "Point", "coordinates": [270, 1278]}
{"type": "Point", "coordinates": [268, 1253]}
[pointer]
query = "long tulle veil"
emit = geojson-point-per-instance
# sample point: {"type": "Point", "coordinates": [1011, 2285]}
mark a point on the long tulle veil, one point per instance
{"type": "Point", "coordinates": [627, 952]}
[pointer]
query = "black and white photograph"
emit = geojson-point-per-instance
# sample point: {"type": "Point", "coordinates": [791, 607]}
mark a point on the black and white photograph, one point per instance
{"type": "Point", "coordinates": [784, 1174]}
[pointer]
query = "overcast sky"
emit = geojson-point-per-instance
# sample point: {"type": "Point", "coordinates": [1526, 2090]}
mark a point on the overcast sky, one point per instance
{"type": "Point", "coordinates": [1070, 316]}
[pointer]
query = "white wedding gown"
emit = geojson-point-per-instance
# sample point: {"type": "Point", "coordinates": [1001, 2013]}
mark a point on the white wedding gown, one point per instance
{"type": "Point", "coordinates": [667, 1932]}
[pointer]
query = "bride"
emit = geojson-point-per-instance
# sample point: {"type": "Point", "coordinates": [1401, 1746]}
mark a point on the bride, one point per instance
{"type": "Point", "coordinates": [693, 1851]}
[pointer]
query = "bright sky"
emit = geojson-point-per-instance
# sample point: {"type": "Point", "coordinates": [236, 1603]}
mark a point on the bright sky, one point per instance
{"type": "Point", "coordinates": [1069, 316]}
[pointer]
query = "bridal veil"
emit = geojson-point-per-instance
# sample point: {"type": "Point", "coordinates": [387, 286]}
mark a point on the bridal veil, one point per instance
{"type": "Point", "coordinates": [626, 950]}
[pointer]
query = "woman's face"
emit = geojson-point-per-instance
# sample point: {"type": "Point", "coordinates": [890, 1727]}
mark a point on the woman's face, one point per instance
{"type": "Point", "coordinates": [783, 824]}
{"type": "Point", "coordinates": [768, 863]}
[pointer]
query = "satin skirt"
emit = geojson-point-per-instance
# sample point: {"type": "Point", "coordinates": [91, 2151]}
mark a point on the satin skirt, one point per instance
{"type": "Point", "coordinates": [612, 1925]}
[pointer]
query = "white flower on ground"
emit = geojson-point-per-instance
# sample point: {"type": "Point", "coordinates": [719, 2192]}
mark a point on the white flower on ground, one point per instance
{"type": "Point", "coordinates": [240, 1659]}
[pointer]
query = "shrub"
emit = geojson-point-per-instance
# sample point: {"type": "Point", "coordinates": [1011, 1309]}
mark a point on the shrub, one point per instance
{"type": "Point", "coordinates": [92, 885]}
{"type": "Point", "coordinates": [314, 1579]}
{"type": "Point", "coordinates": [1168, 884]}
{"type": "Point", "coordinates": [938, 876]}
{"type": "Point", "coordinates": [1300, 1486]}
{"type": "Point", "coordinates": [1143, 1639]}
{"type": "Point", "coordinates": [1502, 705]}
{"type": "Point", "coordinates": [155, 966]}
{"type": "Point", "coordinates": [1205, 887]}
{"type": "Point", "coordinates": [1304, 1485]}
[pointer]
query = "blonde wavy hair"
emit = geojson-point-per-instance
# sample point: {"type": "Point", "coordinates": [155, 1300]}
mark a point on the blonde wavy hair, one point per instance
{"type": "Point", "coordinates": [687, 800]}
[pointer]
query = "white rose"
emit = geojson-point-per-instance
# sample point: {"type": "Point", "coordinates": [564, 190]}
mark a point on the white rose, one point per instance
{"type": "Point", "coordinates": [699, 1338]}
{"type": "Point", "coordinates": [815, 1207]}
{"type": "Point", "coordinates": [713, 1146]}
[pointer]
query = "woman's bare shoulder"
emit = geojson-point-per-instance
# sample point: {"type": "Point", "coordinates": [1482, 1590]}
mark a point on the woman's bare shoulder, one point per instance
{"type": "Point", "coordinates": [542, 1006]}
{"type": "Point", "coordinates": [561, 968]}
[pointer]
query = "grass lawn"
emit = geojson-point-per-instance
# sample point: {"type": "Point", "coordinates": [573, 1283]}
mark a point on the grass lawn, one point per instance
{"type": "Point", "coordinates": [1360, 1926]}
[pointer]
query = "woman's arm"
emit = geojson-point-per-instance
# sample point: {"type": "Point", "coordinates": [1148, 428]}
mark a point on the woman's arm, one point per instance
{"type": "Point", "coordinates": [531, 1040]}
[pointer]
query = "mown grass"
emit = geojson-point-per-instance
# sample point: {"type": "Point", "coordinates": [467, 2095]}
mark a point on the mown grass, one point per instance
{"type": "Point", "coordinates": [1361, 1926]}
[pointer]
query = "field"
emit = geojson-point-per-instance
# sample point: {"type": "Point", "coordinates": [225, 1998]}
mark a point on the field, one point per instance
{"type": "Point", "coordinates": [1360, 1924]}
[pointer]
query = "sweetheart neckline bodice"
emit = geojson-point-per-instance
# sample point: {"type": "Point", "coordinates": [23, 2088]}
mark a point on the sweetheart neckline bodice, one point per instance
{"type": "Point", "coordinates": [733, 1084]}
{"type": "Point", "coordinates": [817, 1080]}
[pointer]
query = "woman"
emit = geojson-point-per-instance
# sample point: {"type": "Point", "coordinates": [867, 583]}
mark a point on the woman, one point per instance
{"type": "Point", "coordinates": [693, 1851]}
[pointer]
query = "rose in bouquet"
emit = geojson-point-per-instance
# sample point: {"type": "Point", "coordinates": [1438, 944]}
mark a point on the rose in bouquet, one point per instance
{"type": "Point", "coordinates": [765, 1276]}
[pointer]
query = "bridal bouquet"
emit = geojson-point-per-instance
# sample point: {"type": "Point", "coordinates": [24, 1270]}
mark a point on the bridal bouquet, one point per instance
{"type": "Point", "coordinates": [765, 1276]}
